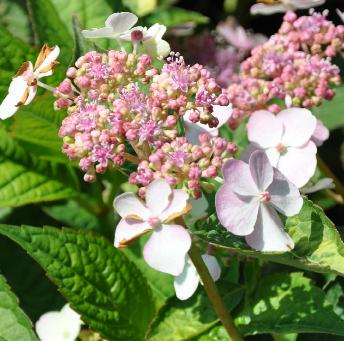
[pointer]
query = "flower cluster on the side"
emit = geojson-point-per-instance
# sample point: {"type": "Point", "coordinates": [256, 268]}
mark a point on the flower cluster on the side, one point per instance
{"type": "Point", "coordinates": [295, 62]}
{"type": "Point", "coordinates": [166, 249]}
{"type": "Point", "coordinates": [118, 102]}
{"type": "Point", "coordinates": [246, 202]}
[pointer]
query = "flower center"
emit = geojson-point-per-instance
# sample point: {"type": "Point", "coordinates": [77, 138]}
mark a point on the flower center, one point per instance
{"type": "Point", "coordinates": [281, 148]}
{"type": "Point", "coordinates": [265, 197]}
{"type": "Point", "coordinates": [136, 36]}
{"type": "Point", "coordinates": [154, 221]}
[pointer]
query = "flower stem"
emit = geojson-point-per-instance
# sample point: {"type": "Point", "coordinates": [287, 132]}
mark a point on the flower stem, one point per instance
{"type": "Point", "coordinates": [213, 294]}
{"type": "Point", "coordinates": [327, 171]}
{"type": "Point", "coordinates": [45, 86]}
{"type": "Point", "coordinates": [132, 158]}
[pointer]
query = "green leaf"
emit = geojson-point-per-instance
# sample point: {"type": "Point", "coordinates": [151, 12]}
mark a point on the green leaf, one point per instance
{"type": "Point", "coordinates": [173, 16]}
{"type": "Point", "coordinates": [72, 214]}
{"type": "Point", "coordinates": [318, 246]}
{"type": "Point", "coordinates": [26, 179]}
{"type": "Point", "coordinates": [14, 324]}
{"type": "Point", "coordinates": [102, 285]}
{"type": "Point", "coordinates": [36, 293]}
{"type": "Point", "coordinates": [180, 320]}
{"type": "Point", "coordinates": [160, 283]}
{"type": "Point", "coordinates": [217, 333]}
{"type": "Point", "coordinates": [49, 28]}
{"type": "Point", "coordinates": [91, 14]}
{"type": "Point", "coordinates": [331, 112]}
{"type": "Point", "coordinates": [288, 303]}
{"type": "Point", "coordinates": [141, 7]}
{"type": "Point", "coordinates": [37, 127]}
{"type": "Point", "coordinates": [20, 185]}
{"type": "Point", "coordinates": [14, 18]}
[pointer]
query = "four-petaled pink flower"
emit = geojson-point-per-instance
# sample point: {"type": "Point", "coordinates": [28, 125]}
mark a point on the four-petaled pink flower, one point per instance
{"type": "Point", "coordinates": [187, 282]}
{"type": "Point", "coordinates": [286, 140]}
{"type": "Point", "coordinates": [246, 202]}
{"type": "Point", "coordinates": [169, 243]}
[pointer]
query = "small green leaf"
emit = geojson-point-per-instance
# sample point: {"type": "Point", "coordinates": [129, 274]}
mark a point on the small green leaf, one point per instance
{"type": "Point", "coordinates": [20, 185]}
{"type": "Point", "coordinates": [331, 112]}
{"type": "Point", "coordinates": [49, 28]}
{"type": "Point", "coordinates": [102, 285]}
{"type": "Point", "coordinates": [91, 14]}
{"type": "Point", "coordinates": [173, 16]}
{"type": "Point", "coordinates": [38, 125]}
{"type": "Point", "coordinates": [71, 213]}
{"type": "Point", "coordinates": [181, 320]}
{"type": "Point", "coordinates": [26, 179]}
{"type": "Point", "coordinates": [14, 18]}
{"type": "Point", "coordinates": [318, 246]}
{"type": "Point", "coordinates": [288, 303]}
{"type": "Point", "coordinates": [14, 324]}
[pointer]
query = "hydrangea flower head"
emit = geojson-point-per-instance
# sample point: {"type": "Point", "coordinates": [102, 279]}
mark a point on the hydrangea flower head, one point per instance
{"type": "Point", "coordinates": [246, 202]}
{"type": "Point", "coordinates": [169, 243]}
{"type": "Point", "coordinates": [286, 140]}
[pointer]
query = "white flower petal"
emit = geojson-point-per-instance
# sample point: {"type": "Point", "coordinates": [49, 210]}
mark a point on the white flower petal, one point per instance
{"type": "Point", "coordinates": [121, 22]}
{"type": "Point", "coordinates": [128, 205]}
{"type": "Point", "coordinates": [52, 56]}
{"type": "Point", "coordinates": [304, 4]}
{"type": "Point", "coordinates": [57, 326]}
{"type": "Point", "coordinates": [199, 209]}
{"type": "Point", "coordinates": [177, 206]}
{"type": "Point", "coordinates": [187, 282]}
{"type": "Point", "coordinates": [238, 177]}
{"type": "Point", "coordinates": [299, 164]}
{"type": "Point", "coordinates": [103, 32]}
{"type": "Point", "coordinates": [237, 214]}
{"type": "Point", "coordinates": [32, 94]}
{"type": "Point", "coordinates": [16, 92]}
{"type": "Point", "coordinates": [69, 313]}
{"type": "Point", "coordinates": [128, 230]}
{"type": "Point", "coordinates": [340, 14]}
{"type": "Point", "coordinates": [325, 183]}
{"type": "Point", "coordinates": [213, 266]}
{"type": "Point", "coordinates": [261, 170]}
{"type": "Point", "coordinates": [285, 196]}
{"type": "Point", "coordinates": [166, 249]}
{"type": "Point", "coordinates": [222, 113]}
{"type": "Point", "coordinates": [299, 125]}
{"type": "Point", "coordinates": [264, 129]}
{"type": "Point", "coordinates": [158, 196]}
{"type": "Point", "coordinates": [268, 233]}
{"type": "Point", "coordinates": [194, 130]}
{"type": "Point", "coordinates": [267, 9]}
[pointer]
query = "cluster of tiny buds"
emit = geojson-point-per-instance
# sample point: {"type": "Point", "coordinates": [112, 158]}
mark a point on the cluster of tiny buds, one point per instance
{"type": "Point", "coordinates": [117, 102]}
{"type": "Point", "coordinates": [294, 62]}
{"type": "Point", "coordinates": [184, 164]}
